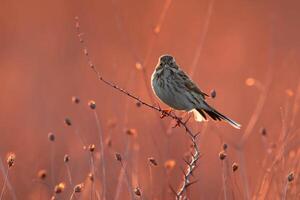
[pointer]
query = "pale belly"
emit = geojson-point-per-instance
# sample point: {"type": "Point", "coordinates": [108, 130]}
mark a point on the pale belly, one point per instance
{"type": "Point", "coordinates": [174, 99]}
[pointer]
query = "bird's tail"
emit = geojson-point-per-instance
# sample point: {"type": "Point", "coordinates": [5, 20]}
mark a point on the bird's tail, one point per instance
{"type": "Point", "coordinates": [215, 115]}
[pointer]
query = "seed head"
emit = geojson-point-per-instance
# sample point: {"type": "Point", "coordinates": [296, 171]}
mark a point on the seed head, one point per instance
{"type": "Point", "coordinates": [68, 122]}
{"type": "Point", "coordinates": [91, 177]}
{"type": "Point", "coordinates": [137, 191]}
{"type": "Point", "coordinates": [152, 161]}
{"type": "Point", "coordinates": [42, 174]}
{"type": "Point", "coordinates": [51, 137]}
{"type": "Point", "coordinates": [131, 132]}
{"type": "Point", "coordinates": [66, 158]}
{"type": "Point", "coordinates": [250, 81]}
{"type": "Point", "coordinates": [59, 188]}
{"type": "Point", "coordinates": [263, 131]}
{"type": "Point", "coordinates": [92, 104]}
{"type": "Point", "coordinates": [92, 147]}
{"type": "Point", "coordinates": [222, 155]}
{"type": "Point", "coordinates": [10, 159]}
{"type": "Point", "coordinates": [75, 100]}
{"type": "Point", "coordinates": [118, 157]}
{"type": "Point", "coordinates": [78, 188]}
{"type": "Point", "coordinates": [138, 66]}
{"type": "Point", "coordinates": [291, 177]}
{"type": "Point", "coordinates": [170, 164]}
{"type": "Point", "coordinates": [235, 167]}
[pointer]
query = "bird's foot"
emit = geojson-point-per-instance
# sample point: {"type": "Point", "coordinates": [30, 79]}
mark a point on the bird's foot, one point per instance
{"type": "Point", "coordinates": [165, 112]}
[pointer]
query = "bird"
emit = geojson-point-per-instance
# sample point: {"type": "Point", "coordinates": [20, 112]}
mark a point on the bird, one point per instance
{"type": "Point", "coordinates": [176, 89]}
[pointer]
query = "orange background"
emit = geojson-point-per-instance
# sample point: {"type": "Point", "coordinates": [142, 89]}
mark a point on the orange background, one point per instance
{"type": "Point", "coordinates": [42, 66]}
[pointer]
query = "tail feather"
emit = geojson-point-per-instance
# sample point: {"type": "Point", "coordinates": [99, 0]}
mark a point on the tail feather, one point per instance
{"type": "Point", "coordinates": [215, 115]}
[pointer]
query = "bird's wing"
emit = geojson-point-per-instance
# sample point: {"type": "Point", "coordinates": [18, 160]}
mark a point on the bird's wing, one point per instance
{"type": "Point", "coordinates": [188, 83]}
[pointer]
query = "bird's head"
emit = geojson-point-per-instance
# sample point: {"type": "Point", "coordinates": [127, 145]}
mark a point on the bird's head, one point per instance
{"type": "Point", "coordinates": [166, 61]}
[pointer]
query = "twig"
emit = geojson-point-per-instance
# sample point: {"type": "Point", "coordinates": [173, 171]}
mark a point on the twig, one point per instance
{"type": "Point", "coordinates": [195, 155]}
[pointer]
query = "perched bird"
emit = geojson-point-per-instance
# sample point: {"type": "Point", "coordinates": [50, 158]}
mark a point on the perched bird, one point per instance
{"type": "Point", "coordinates": [173, 87]}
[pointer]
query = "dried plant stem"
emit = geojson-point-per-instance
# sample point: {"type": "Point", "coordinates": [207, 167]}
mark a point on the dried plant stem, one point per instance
{"type": "Point", "coordinates": [4, 184]}
{"type": "Point", "coordinates": [92, 165]}
{"type": "Point", "coordinates": [285, 189]}
{"type": "Point", "coordinates": [224, 181]}
{"type": "Point", "coordinates": [195, 155]}
{"type": "Point", "coordinates": [52, 162]}
{"type": "Point", "coordinates": [202, 39]}
{"type": "Point", "coordinates": [151, 182]}
{"type": "Point", "coordinates": [69, 173]}
{"type": "Point", "coordinates": [122, 173]}
{"type": "Point", "coordinates": [72, 195]}
{"type": "Point", "coordinates": [127, 180]}
{"type": "Point", "coordinates": [252, 122]}
{"type": "Point", "coordinates": [102, 161]}
{"type": "Point", "coordinates": [7, 181]}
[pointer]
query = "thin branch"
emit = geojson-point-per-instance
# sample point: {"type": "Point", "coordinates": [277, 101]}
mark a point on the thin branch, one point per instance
{"type": "Point", "coordinates": [195, 154]}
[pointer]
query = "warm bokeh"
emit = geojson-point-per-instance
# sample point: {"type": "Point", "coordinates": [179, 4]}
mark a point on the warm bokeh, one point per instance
{"type": "Point", "coordinates": [248, 51]}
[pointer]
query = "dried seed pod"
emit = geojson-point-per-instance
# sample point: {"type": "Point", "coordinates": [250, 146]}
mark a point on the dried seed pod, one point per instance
{"type": "Point", "coordinates": [225, 146]}
{"type": "Point", "coordinates": [42, 174]}
{"type": "Point", "coordinates": [263, 131]}
{"type": "Point", "coordinates": [152, 161]}
{"type": "Point", "coordinates": [222, 155]}
{"type": "Point", "coordinates": [118, 157]}
{"type": "Point", "coordinates": [137, 191]}
{"type": "Point", "coordinates": [291, 177]}
{"type": "Point", "coordinates": [51, 137]}
{"type": "Point", "coordinates": [131, 132]}
{"type": "Point", "coordinates": [91, 147]}
{"type": "Point", "coordinates": [68, 122]}
{"type": "Point", "coordinates": [250, 81]}
{"type": "Point", "coordinates": [59, 188]}
{"type": "Point", "coordinates": [66, 158]}
{"type": "Point", "coordinates": [78, 188]}
{"type": "Point", "coordinates": [170, 164]}
{"type": "Point", "coordinates": [92, 104]}
{"type": "Point", "coordinates": [75, 100]}
{"type": "Point", "coordinates": [213, 93]}
{"type": "Point", "coordinates": [91, 177]}
{"type": "Point", "coordinates": [235, 167]}
{"type": "Point", "coordinates": [10, 159]}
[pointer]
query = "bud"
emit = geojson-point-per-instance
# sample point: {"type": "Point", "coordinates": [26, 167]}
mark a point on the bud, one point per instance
{"type": "Point", "coordinates": [92, 147]}
{"type": "Point", "coordinates": [92, 104]}
{"type": "Point", "coordinates": [51, 137]}
{"type": "Point", "coordinates": [137, 191]}
{"type": "Point", "coordinates": [68, 122]}
{"type": "Point", "coordinates": [291, 177]}
{"type": "Point", "coordinates": [42, 174]}
{"type": "Point", "coordinates": [78, 188]}
{"type": "Point", "coordinates": [152, 161]}
{"type": "Point", "coordinates": [235, 167]}
{"type": "Point", "coordinates": [222, 155]}
{"type": "Point", "coordinates": [10, 159]}
{"type": "Point", "coordinates": [66, 158]}
{"type": "Point", "coordinates": [75, 100]}
{"type": "Point", "coordinates": [213, 93]}
{"type": "Point", "coordinates": [59, 188]}
{"type": "Point", "coordinates": [118, 157]}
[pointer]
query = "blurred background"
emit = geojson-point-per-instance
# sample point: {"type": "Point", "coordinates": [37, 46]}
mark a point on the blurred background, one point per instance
{"type": "Point", "coordinates": [247, 51]}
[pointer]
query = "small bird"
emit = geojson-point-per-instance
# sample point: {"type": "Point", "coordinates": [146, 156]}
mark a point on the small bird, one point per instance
{"type": "Point", "coordinates": [173, 87]}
